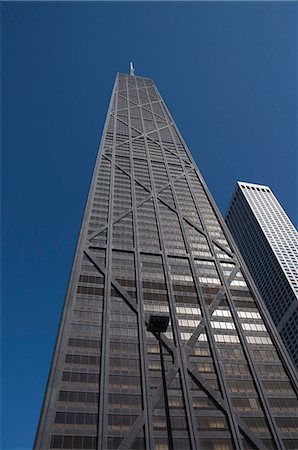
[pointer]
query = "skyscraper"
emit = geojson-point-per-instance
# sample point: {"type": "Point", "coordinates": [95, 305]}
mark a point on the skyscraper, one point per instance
{"type": "Point", "coordinates": [152, 242]}
{"type": "Point", "coordinates": [268, 243]}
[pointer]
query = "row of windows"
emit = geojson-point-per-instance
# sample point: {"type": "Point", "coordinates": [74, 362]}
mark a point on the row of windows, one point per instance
{"type": "Point", "coordinates": [236, 369]}
{"type": "Point", "coordinates": [85, 329]}
{"type": "Point", "coordinates": [124, 365]}
{"type": "Point", "coordinates": [87, 316]}
{"type": "Point", "coordinates": [88, 360]}
{"type": "Point", "coordinates": [76, 418]}
{"type": "Point", "coordinates": [124, 332]}
{"type": "Point", "coordinates": [88, 302]}
{"type": "Point", "coordinates": [283, 404]}
{"type": "Point", "coordinates": [257, 424]}
{"type": "Point", "coordinates": [257, 340]}
{"type": "Point", "coordinates": [122, 401]}
{"type": "Point", "coordinates": [271, 371]}
{"type": "Point", "coordinates": [91, 279]}
{"type": "Point", "coordinates": [84, 343]}
{"type": "Point", "coordinates": [253, 327]}
{"type": "Point", "coordinates": [124, 382]}
{"type": "Point", "coordinates": [212, 423]}
{"type": "Point", "coordinates": [80, 377]}
{"type": "Point", "coordinates": [90, 290]}
{"type": "Point", "coordinates": [78, 397]}
{"type": "Point", "coordinates": [73, 442]}
{"type": "Point", "coordinates": [177, 423]}
{"type": "Point", "coordinates": [188, 323]}
{"type": "Point", "coordinates": [117, 422]}
{"type": "Point", "coordinates": [122, 347]}
{"type": "Point", "coordinates": [222, 325]}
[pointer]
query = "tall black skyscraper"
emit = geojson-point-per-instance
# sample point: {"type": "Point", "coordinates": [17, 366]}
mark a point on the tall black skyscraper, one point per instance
{"type": "Point", "coordinates": [153, 242]}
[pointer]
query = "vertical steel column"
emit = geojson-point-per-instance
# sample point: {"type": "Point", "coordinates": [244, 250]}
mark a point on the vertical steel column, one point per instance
{"type": "Point", "coordinates": [189, 416]}
{"type": "Point", "coordinates": [148, 430]}
{"type": "Point", "coordinates": [232, 421]}
{"type": "Point", "coordinates": [165, 393]}
{"type": "Point", "coordinates": [105, 353]}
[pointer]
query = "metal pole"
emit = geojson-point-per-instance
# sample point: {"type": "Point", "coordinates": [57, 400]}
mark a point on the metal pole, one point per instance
{"type": "Point", "coordinates": [169, 428]}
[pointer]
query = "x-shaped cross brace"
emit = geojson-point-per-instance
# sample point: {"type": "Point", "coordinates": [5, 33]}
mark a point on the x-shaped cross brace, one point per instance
{"type": "Point", "coordinates": [196, 376]}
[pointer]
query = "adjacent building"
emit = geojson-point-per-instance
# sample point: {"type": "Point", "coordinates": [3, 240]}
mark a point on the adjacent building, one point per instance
{"type": "Point", "coordinates": [152, 242]}
{"type": "Point", "coordinates": [268, 242]}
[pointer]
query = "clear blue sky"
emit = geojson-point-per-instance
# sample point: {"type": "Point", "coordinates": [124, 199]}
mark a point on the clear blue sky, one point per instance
{"type": "Point", "coordinates": [228, 72]}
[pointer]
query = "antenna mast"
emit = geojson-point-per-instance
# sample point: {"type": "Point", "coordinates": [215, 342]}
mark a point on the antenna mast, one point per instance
{"type": "Point", "coordinates": [131, 69]}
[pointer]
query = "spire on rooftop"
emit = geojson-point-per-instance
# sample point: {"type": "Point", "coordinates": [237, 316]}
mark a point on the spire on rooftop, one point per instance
{"type": "Point", "coordinates": [131, 69]}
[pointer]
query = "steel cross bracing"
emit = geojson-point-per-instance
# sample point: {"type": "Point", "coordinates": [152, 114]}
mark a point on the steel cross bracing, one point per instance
{"type": "Point", "coordinates": [181, 352]}
{"type": "Point", "coordinates": [175, 367]}
{"type": "Point", "coordinates": [152, 194]}
{"type": "Point", "coordinates": [224, 404]}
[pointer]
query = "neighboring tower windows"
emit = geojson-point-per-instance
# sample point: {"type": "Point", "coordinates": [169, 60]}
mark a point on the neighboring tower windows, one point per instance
{"type": "Point", "coordinates": [268, 242]}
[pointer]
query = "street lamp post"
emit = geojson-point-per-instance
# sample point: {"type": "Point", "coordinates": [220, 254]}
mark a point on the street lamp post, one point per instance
{"type": "Point", "coordinates": [157, 325]}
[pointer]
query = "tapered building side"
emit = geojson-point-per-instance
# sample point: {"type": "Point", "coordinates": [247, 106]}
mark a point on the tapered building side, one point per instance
{"type": "Point", "coordinates": [153, 242]}
{"type": "Point", "coordinates": [268, 242]}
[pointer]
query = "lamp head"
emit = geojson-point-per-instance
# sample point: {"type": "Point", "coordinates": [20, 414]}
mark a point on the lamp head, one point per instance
{"type": "Point", "coordinates": [158, 324]}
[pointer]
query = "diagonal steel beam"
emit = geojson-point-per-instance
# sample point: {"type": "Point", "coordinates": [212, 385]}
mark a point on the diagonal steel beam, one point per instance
{"type": "Point", "coordinates": [128, 174]}
{"type": "Point", "coordinates": [223, 248]}
{"type": "Point", "coordinates": [104, 227]}
{"type": "Point", "coordinates": [145, 109]}
{"type": "Point", "coordinates": [214, 395]}
{"type": "Point", "coordinates": [129, 300]}
{"type": "Point", "coordinates": [137, 426]}
{"type": "Point", "coordinates": [222, 405]}
{"type": "Point", "coordinates": [210, 392]}
{"type": "Point", "coordinates": [199, 229]}
{"type": "Point", "coordinates": [142, 133]}
{"type": "Point", "coordinates": [141, 106]}
{"type": "Point", "coordinates": [161, 144]}
{"type": "Point", "coordinates": [138, 104]}
{"type": "Point", "coordinates": [213, 306]}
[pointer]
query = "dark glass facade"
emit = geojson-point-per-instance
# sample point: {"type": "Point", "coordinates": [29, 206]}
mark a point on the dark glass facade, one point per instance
{"type": "Point", "coordinates": [153, 242]}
